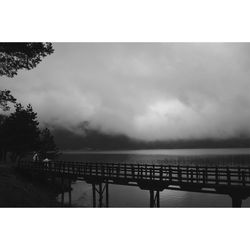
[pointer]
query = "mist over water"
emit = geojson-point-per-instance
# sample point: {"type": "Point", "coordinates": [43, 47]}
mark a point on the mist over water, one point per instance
{"type": "Point", "coordinates": [127, 196]}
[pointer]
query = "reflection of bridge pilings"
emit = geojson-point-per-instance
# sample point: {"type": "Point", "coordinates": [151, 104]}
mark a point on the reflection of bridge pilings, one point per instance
{"type": "Point", "coordinates": [154, 191]}
{"type": "Point", "coordinates": [99, 190]}
{"type": "Point", "coordinates": [237, 197]}
{"type": "Point", "coordinates": [237, 194]}
{"type": "Point", "coordinates": [154, 198]}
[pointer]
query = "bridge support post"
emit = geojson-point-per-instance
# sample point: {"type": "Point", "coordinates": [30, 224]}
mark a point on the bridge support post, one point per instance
{"type": "Point", "coordinates": [62, 188]}
{"type": "Point", "coordinates": [151, 193]}
{"type": "Point", "coordinates": [154, 198]}
{"type": "Point", "coordinates": [158, 199]}
{"type": "Point", "coordinates": [100, 193]}
{"type": "Point", "coordinates": [94, 195]}
{"type": "Point", "coordinates": [69, 192]}
{"type": "Point", "coordinates": [238, 196]}
{"type": "Point", "coordinates": [107, 195]}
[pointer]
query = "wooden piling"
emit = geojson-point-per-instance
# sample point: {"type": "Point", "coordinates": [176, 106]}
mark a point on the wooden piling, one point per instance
{"type": "Point", "coordinates": [107, 195]}
{"type": "Point", "coordinates": [62, 188]}
{"type": "Point", "coordinates": [94, 195]}
{"type": "Point", "coordinates": [158, 198]}
{"type": "Point", "coordinates": [151, 202]}
{"type": "Point", "coordinates": [70, 192]}
{"type": "Point", "coordinates": [100, 194]}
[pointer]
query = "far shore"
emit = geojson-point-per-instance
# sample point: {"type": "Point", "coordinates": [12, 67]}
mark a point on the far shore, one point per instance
{"type": "Point", "coordinates": [170, 151]}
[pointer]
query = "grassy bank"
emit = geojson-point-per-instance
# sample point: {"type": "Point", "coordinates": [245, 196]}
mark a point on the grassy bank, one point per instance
{"type": "Point", "coordinates": [17, 190]}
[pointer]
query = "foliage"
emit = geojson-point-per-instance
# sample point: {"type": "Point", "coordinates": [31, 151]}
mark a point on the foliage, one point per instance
{"type": "Point", "coordinates": [21, 135]}
{"type": "Point", "coordinates": [16, 56]}
{"type": "Point", "coordinates": [6, 97]}
{"type": "Point", "coordinates": [47, 147]}
{"type": "Point", "coordinates": [21, 131]}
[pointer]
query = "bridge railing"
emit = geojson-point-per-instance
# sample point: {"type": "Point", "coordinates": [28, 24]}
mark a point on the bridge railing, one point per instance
{"type": "Point", "coordinates": [190, 174]}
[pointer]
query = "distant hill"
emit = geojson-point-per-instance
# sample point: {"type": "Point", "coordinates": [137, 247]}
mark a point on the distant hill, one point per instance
{"type": "Point", "coordinates": [94, 140]}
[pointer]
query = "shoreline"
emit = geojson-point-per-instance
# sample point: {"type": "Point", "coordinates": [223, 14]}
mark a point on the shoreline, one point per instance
{"type": "Point", "coordinates": [17, 190]}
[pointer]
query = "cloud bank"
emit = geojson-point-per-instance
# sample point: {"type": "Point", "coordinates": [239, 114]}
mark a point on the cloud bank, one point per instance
{"type": "Point", "coordinates": [148, 91]}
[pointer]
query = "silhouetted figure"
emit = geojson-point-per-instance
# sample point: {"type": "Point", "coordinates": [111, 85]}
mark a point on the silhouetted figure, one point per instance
{"type": "Point", "coordinates": [35, 157]}
{"type": "Point", "coordinates": [46, 162]}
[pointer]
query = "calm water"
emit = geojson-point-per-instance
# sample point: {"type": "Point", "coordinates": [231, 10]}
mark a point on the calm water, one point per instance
{"type": "Point", "coordinates": [124, 196]}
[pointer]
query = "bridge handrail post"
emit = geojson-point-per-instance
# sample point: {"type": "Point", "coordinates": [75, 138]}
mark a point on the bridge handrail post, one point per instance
{"type": "Point", "coordinates": [108, 168]}
{"type": "Point", "coordinates": [197, 174]}
{"type": "Point", "coordinates": [170, 173]}
{"type": "Point", "coordinates": [243, 178]}
{"type": "Point", "coordinates": [206, 172]}
{"type": "Point", "coordinates": [228, 177]}
{"type": "Point", "coordinates": [204, 175]}
{"type": "Point", "coordinates": [125, 170]}
{"type": "Point", "coordinates": [138, 173]}
{"type": "Point", "coordinates": [192, 178]}
{"type": "Point", "coordinates": [216, 175]}
{"type": "Point", "coordinates": [133, 172]}
{"type": "Point", "coordinates": [85, 169]}
{"type": "Point", "coordinates": [153, 171]}
{"type": "Point", "coordinates": [102, 170]}
{"type": "Point", "coordinates": [161, 173]}
{"type": "Point", "coordinates": [118, 170]}
{"type": "Point", "coordinates": [90, 170]}
{"type": "Point", "coordinates": [96, 169]}
{"type": "Point", "coordinates": [179, 174]}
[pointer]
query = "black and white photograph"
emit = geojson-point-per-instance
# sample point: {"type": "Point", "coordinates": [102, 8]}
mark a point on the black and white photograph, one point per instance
{"type": "Point", "coordinates": [124, 124]}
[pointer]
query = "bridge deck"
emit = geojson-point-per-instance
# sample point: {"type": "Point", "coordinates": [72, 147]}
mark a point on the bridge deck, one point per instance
{"type": "Point", "coordinates": [147, 174]}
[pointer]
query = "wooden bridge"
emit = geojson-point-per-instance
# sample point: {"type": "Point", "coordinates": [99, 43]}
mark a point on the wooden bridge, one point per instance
{"type": "Point", "coordinates": [229, 180]}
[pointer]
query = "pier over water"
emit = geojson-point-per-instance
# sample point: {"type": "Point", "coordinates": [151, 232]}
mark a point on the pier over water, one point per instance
{"type": "Point", "coordinates": [228, 180]}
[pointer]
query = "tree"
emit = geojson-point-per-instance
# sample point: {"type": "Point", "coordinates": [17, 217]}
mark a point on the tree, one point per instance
{"type": "Point", "coordinates": [21, 132]}
{"type": "Point", "coordinates": [16, 56]}
{"type": "Point", "coordinates": [2, 137]}
{"type": "Point", "coordinates": [6, 97]}
{"type": "Point", "coordinates": [47, 146]}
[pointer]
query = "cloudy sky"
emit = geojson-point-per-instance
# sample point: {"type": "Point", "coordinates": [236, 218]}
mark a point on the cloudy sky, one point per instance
{"type": "Point", "coordinates": [144, 90]}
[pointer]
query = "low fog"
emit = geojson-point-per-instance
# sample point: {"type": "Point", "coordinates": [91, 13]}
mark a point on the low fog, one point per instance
{"type": "Point", "coordinates": [147, 91]}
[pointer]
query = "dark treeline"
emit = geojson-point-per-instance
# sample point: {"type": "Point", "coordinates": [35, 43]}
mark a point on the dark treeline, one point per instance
{"type": "Point", "coordinates": [95, 140]}
{"type": "Point", "coordinates": [19, 131]}
{"type": "Point", "coordinates": [20, 135]}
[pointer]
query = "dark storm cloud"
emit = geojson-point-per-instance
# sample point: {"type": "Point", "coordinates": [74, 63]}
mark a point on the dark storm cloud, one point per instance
{"type": "Point", "coordinates": [145, 91]}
